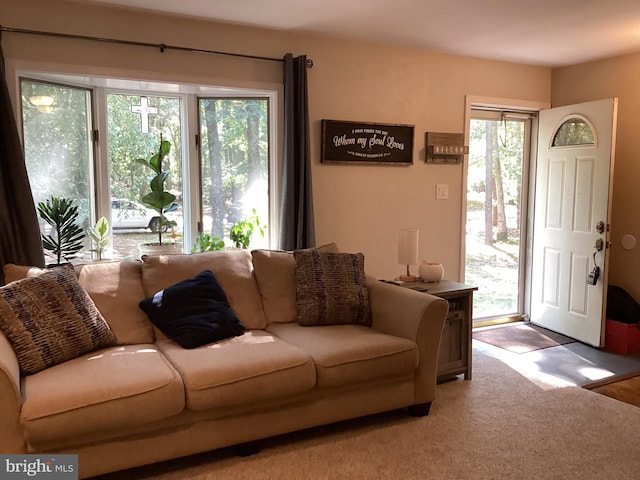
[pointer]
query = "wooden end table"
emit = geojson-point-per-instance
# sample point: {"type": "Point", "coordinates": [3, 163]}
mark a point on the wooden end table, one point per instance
{"type": "Point", "coordinates": [455, 348]}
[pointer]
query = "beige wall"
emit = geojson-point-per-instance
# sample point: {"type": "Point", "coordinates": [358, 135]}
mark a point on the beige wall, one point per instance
{"type": "Point", "coordinates": [614, 77]}
{"type": "Point", "coordinates": [359, 207]}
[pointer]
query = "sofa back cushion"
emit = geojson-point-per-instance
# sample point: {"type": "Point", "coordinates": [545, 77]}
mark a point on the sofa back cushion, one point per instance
{"type": "Point", "coordinates": [275, 274]}
{"type": "Point", "coordinates": [116, 289]}
{"type": "Point", "coordinates": [232, 268]}
{"type": "Point", "coordinates": [277, 284]}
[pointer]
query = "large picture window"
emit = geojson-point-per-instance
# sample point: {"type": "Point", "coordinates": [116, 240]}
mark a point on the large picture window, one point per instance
{"type": "Point", "coordinates": [82, 138]}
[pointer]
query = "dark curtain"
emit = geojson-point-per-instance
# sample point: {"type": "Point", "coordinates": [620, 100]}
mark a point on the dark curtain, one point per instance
{"type": "Point", "coordinates": [297, 229]}
{"type": "Point", "coordinates": [19, 232]}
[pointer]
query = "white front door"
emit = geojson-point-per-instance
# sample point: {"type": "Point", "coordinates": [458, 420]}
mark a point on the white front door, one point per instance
{"type": "Point", "coordinates": [573, 195]}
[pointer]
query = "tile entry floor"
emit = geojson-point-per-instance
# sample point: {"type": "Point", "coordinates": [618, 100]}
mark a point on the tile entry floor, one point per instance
{"type": "Point", "coordinates": [571, 364]}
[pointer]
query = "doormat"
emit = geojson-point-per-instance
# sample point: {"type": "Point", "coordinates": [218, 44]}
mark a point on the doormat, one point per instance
{"type": "Point", "coordinates": [625, 388]}
{"type": "Point", "coordinates": [521, 338]}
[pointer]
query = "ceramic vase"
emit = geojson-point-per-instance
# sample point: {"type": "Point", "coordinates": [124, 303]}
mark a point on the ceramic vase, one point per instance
{"type": "Point", "coordinates": [430, 271]}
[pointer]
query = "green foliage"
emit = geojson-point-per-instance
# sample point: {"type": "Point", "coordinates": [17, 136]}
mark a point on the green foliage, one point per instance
{"type": "Point", "coordinates": [206, 243]}
{"type": "Point", "coordinates": [159, 199]}
{"type": "Point", "coordinates": [234, 146]}
{"type": "Point", "coordinates": [126, 143]}
{"type": "Point", "coordinates": [475, 206]}
{"type": "Point", "coordinates": [242, 230]}
{"type": "Point", "coordinates": [67, 236]}
{"type": "Point", "coordinates": [99, 235]}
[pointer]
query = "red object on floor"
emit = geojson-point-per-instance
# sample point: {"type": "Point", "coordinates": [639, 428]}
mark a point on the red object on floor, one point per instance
{"type": "Point", "coordinates": [621, 337]}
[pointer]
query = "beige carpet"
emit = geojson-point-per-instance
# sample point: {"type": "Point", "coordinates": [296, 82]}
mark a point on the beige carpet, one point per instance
{"type": "Point", "coordinates": [497, 426]}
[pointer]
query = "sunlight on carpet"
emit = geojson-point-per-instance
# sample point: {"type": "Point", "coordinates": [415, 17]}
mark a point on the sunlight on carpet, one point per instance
{"type": "Point", "coordinates": [533, 365]}
{"type": "Point", "coordinates": [529, 367]}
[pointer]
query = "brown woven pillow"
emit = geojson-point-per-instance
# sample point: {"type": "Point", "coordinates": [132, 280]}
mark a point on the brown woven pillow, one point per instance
{"type": "Point", "coordinates": [331, 288]}
{"type": "Point", "coordinates": [50, 319]}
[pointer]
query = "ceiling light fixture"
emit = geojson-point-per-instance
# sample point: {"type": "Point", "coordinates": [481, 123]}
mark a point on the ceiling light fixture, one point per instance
{"type": "Point", "coordinates": [44, 103]}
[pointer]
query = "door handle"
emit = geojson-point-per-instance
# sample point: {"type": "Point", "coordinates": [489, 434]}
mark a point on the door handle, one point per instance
{"type": "Point", "coordinates": [599, 245]}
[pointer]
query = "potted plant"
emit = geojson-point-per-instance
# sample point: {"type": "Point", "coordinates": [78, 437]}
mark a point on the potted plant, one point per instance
{"type": "Point", "coordinates": [242, 230]}
{"type": "Point", "coordinates": [159, 200]}
{"type": "Point", "coordinates": [66, 237]}
{"type": "Point", "coordinates": [99, 235]}
{"type": "Point", "coordinates": [204, 242]}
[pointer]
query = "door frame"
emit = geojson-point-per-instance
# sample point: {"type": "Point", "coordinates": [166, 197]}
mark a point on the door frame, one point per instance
{"type": "Point", "coordinates": [472, 101]}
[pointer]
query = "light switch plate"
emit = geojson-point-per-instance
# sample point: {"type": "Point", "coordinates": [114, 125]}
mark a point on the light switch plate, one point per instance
{"type": "Point", "coordinates": [442, 191]}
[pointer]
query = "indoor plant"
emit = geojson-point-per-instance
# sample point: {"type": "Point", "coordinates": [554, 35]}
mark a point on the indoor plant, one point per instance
{"type": "Point", "coordinates": [159, 200]}
{"type": "Point", "coordinates": [66, 238]}
{"type": "Point", "coordinates": [242, 230]}
{"type": "Point", "coordinates": [99, 235]}
{"type": "Point", "coordinates": [204, 242]}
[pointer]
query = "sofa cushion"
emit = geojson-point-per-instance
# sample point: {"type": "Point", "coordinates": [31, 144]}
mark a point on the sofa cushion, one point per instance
{"type": "Point", "coordinates": [116, 289]}
{"type": "Point", "coordinates": [14, 272]}
{"type": "Point", "coordinates": [232, 268]}
{"type": "Point", "coordinates": [331, 288]}
{"type": "Point", "coordinates": [193, 312]}
{"type": "Point", "coordinates": [49, 319]}
{"type": "Point", "coordinates": [348, 354]}
{"type": "Point", "coordinates": [277, 283]}
{"type": "Point", "coordinates": [105, 390]}
{"type": "Point", "coordinates": [249, 369]}
{"type": "Point", "coordinates": [275, 274]}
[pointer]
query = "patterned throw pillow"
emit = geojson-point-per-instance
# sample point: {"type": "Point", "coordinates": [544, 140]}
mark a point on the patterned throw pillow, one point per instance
{"type": "Point", "coordinates": [331, 288]}
{"type": "Point", "coordinates": [49, 319]}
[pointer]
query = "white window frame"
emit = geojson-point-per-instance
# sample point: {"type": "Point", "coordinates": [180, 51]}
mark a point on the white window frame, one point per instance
{"type": "Point", "coordinates": [189, 93]}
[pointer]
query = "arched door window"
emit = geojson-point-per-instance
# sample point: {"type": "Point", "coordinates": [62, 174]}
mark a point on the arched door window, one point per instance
{"type": "Point", "coordinates": [574, 131]}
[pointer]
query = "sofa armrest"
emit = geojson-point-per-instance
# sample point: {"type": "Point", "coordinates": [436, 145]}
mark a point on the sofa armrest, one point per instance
{"type": "Point", "coordinates": [11, 440]}
{"type": "Point", "coordinates": [416, 316]}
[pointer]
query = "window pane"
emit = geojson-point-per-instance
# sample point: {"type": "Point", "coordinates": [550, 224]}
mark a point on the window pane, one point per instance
{"type": "Point", "coordinates": [234, 164]}
{"type": "Point", "coordinates": [135, 124]}
{"type": "Point", "coordinates": [58, 152]}
{"type": "Point", "coordinates": [574, 131]}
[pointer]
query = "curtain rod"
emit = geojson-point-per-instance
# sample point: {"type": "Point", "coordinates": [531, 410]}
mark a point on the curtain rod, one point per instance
{"type": "Point", "coordinates": [161, 46]}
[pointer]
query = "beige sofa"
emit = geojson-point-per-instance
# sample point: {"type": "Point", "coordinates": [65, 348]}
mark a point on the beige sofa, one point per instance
{"type": "Point", "coordinates": [146, 399]}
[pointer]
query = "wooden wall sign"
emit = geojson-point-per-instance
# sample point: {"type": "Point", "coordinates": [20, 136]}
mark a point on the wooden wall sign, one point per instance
{"type": "Point", "coordinates": [361, 142]}
{"type": "Point", "coordinates": [445, 148]}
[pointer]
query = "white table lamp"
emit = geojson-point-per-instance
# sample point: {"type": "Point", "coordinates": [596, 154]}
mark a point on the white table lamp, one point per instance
{"type": "Point", "coordinates": [408, 251]}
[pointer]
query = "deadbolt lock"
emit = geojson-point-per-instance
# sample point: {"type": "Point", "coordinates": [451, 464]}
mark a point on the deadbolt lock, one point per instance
{"type": "Point", "coordinates": [599, 244]}
{"type": "Point", "coordinates": [600, 227]}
